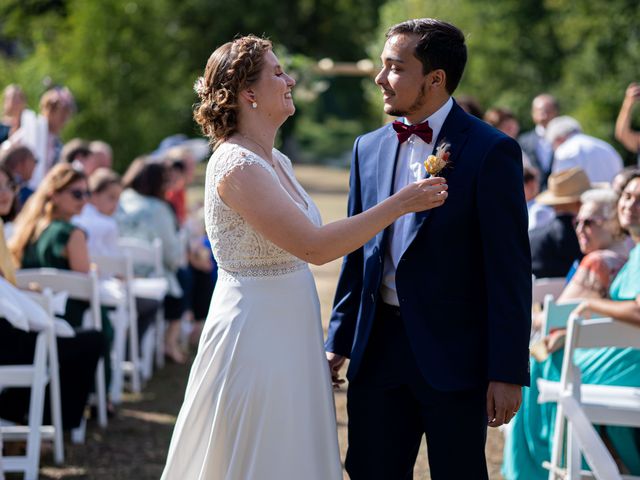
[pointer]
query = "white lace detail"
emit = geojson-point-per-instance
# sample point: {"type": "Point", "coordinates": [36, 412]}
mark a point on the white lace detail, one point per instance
{"type": "Point", "coordinates": [239, 250]}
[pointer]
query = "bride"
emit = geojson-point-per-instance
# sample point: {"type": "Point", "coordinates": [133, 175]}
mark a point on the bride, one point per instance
{"type": "Point", "coordinates": [259, 403]}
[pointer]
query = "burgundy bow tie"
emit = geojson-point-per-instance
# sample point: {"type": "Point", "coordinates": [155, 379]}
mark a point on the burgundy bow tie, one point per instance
{"type": "Point", "coordinates": [422, 130]}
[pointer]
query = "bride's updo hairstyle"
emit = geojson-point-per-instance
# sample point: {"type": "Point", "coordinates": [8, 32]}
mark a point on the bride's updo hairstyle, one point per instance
{"type": "Point", "coordinates": [230, 69]}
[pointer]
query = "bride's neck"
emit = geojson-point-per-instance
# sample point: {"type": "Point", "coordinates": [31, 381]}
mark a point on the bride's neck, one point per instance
{"type": "Point", "coordinates": [262, 133]}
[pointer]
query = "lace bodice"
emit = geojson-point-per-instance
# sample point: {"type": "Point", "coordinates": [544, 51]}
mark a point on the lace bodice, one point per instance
{"type": "Point", "coordinates": [240, 250]}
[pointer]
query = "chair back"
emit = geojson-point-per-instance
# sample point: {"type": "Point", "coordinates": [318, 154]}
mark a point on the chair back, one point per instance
{"type": "Point", "coordinates": [556, 315]}
{"type": "Point", "coordinates": [143, 253]}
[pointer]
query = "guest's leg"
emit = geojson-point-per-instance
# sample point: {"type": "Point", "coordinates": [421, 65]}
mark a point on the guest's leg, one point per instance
{"type": "Point", "coordinates": [147, 309]}
{"type": "Point", "coordinates": [78, 358]}
{"type": "Point", "coordinates": [173, 310]}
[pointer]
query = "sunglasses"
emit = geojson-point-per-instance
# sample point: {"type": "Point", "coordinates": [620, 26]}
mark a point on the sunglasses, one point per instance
{"type": "Point", "coordinates": [587, 222]}
{"type": "Point", "coordinates": [79, 194]}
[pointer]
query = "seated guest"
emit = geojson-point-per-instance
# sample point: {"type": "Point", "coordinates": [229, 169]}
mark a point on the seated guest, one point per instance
{"type": "Point", "coordinates": [539, 214]}
{"type": "Point", "coordinates": [78, 356]}
{"type": "Point", "coordinates": [45, 237]}
{"type": "Point", "coordinates": [176, 192]}
{"type": "Point", "coordinates": [572, 148]}
{"type": "Point", "coordinates": [554, 246]}
{"type": "Point", "coordinates": [96, 218]}
{"type": "Point", "coordinates": [102, 153]}
{"type": "Point", "coordinates": [504, 120]}
{"type": "Point", "coordinates": [530, 440]}
{"type": "Point", "coordinates": [21, 162]}
{"type": "Point", "coordinates": [14, 103]}
{"type": "Point", "coordinates": [102, 231]}
{"type": "Point", "coordinates": [603, 243]}
{"type": "Point", "coordinates": [143, 213]}
{"type": "Point", "coordinates": [78, 153]}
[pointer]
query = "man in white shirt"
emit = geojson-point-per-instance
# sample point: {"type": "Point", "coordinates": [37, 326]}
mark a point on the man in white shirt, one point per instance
{"type": "Point", "coordinates": [572, 148]}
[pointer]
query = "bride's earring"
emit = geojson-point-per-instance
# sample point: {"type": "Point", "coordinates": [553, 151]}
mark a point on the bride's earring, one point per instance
{"type": "Point", "coordinates": [254, 105]}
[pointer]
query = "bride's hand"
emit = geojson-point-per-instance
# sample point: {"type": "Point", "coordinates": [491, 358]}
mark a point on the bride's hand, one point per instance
{"type": "Point", "coordinates": [422, 195]}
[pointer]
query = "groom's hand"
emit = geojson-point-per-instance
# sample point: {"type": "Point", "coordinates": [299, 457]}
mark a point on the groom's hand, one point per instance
{"type": "Point", "coordinates": [503, 402]}
{"type": "Point", "coordinates": [335, 364]}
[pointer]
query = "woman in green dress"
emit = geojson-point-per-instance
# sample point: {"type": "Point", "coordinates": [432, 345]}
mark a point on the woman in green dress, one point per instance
{"type": "Point", "coordinates": [45, 237]}
{"type": "Point", "coordinates": [77, 356]}
{"type": "Point", "coordinates": [530, 440]}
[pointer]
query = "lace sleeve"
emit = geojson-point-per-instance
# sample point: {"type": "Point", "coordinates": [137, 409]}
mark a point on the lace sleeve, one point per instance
{"type": "Point", "coordinates": [226, 161]}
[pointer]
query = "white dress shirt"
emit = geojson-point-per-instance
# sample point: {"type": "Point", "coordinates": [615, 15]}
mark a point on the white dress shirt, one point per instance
{"type": "Point", "coordinates": [102, 231]}
{"type": "Point", "coordinates": [597, 158]}
{"type": "Point", "coordinates": [409, 168]}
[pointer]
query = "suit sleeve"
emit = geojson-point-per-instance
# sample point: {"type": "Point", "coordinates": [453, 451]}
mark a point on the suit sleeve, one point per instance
{"type": "Point", "coordinates": [506, 253]}
{"type": "Point", "coordinates": [346, 303]}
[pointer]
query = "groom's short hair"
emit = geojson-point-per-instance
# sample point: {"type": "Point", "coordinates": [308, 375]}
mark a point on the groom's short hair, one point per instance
{"type": "Point", "coordinates": [440, 45]}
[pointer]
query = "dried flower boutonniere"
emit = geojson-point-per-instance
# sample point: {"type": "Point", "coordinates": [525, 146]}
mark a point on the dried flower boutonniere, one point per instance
{"type": "Point", "coordinates": [434, 164]}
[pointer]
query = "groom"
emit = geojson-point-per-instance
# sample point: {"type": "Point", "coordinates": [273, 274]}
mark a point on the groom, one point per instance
{"type": "Point", "coordinates": [434, 312]}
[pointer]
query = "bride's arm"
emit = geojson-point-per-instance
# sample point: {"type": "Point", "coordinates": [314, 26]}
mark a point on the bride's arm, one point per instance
{"type": "Point", "coordinates": [262, 202]}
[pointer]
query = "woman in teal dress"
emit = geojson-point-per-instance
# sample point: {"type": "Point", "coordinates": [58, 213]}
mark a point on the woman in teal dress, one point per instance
{"type": "Point", "coordinates": [530, 440]}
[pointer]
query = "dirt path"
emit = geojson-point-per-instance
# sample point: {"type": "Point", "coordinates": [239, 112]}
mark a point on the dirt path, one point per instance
{"type": "Point", "coordinates": [135, 444]}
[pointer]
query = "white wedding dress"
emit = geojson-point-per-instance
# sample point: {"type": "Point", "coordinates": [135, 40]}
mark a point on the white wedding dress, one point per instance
{"type": "Point", "coordinates": [259, 403]}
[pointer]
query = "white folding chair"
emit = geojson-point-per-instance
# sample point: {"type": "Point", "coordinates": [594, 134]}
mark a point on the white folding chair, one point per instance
{"type": "Point", "coordinates": [120, 271]}
{"type": "Point", "coordinates": [148, 256]}
{"type": "Point", "coordinates": [600, 404]}
{"type": "Point", "coordinates": [556, 315]}
{"type": "Point", "coordinates": [547, 286]}
{"type": "Point", "coordinates": [42, 372]}
{"type": "Point", "coordinates": [79, 286]}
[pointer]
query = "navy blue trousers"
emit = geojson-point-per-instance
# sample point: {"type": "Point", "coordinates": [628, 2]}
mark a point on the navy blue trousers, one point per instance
{"type": "Point", "coordinates": [391, 406]}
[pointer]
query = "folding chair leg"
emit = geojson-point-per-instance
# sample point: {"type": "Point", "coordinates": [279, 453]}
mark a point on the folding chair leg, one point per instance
{"type": "Point", "coordinates": [574, 458]}
{"type": "Point", "coordinates": [558, 436]}
{"type": "Point", "coordinates": [55, 404]}
{"type": "Point", "coordinates": [1, 463]}
{"type": "Point", "coordinates": [36, 409]}
{"type": "Point", "coordinates": [134, 352]}
{"type": "Point", "coordinates": [117, 355]}
{"type": "Point", "coordinates": [148, 345]}
{"type": "Point", "coordinates": [101, 392]}
{"type": "Point", "coordinates": [160, 327]}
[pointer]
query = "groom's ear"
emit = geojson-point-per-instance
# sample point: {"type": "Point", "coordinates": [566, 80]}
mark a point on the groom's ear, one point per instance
{"type": "Point", "coordinates": [437, 78]}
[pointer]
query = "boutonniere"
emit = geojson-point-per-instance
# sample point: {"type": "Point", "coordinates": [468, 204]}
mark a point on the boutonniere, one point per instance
{"type": "Point", "coordinates": [434, 164]}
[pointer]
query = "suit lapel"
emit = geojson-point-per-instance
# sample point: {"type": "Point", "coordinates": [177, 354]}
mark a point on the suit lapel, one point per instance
{"type": "Point", "coordinates": [386, 160]}
{"type": "Point", "coordinates": [452, 132]}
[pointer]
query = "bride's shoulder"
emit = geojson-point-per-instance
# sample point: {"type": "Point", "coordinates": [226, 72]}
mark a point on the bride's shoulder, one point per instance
{"type": "Point", "coordinates": [228, 157]}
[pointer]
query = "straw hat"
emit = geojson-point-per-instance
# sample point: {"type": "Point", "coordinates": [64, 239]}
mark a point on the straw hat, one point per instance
{"type": "Point", "coordinates": [564, 187]}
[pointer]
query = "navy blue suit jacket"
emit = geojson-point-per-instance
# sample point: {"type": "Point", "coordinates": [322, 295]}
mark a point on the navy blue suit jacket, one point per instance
{"type": "Point", "coordinates": [464, 281]}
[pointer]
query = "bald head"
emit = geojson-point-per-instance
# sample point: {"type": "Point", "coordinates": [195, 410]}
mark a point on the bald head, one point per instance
{"type": "Point", "coordinates": [544, 108]}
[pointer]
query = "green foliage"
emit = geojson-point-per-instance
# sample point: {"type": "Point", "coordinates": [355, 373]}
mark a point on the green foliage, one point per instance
{"type": "Point", "coordinates": [131, 64]}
